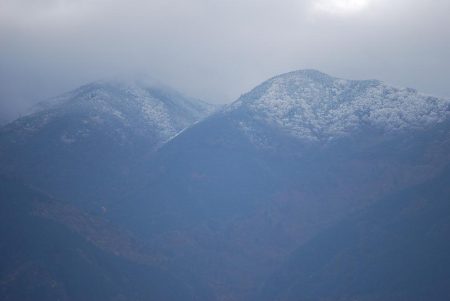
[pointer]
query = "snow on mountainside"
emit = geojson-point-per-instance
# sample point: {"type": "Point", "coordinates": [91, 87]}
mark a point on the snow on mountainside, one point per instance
{"type": "Point", "coordinates": [78, 144]}
{"type": "Point", "coordinates": [137, 104]}
{"type": "Point", "coordinates": [315, 106]}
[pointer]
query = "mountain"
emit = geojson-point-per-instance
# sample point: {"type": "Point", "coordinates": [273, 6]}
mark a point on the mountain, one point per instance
{"type": "Point", "coordinates": [252, 200]}
{"type": "Point", "coordinates": [247, 186]}
{"type": "Point", "coordinates": [311, 105]}
{"type": "Point", "coordinates": [395, 250]}
{"type": "Point", "coordinates": [52, 251]}
{"type": "Point", "coordinates": [84, 143]}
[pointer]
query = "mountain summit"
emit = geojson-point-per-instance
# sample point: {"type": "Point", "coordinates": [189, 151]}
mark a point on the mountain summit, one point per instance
{"type": "Point", "coordinates": [312, 105]}
{"type": "Point", "coordinates": [142, 107]}
{"type": "Point", "coordinates": [92, 136]}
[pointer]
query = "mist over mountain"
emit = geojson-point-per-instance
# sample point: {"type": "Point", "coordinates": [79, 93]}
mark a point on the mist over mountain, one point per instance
{"type": "Point", "coordinates": [84, 143]}
{"type": "Point", "coordinates": [308, 187]}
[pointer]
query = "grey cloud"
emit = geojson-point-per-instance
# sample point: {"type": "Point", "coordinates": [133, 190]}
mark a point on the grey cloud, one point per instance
{"type": "Point", "coordinates": [217, 49]}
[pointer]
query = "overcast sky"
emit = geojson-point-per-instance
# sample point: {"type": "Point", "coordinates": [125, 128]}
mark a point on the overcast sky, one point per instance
{"type": "Point", "coordinates": [218, 49]}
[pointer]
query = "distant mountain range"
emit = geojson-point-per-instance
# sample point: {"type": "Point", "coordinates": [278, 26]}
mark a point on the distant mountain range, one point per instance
{"type": "Point", "coordinates": [308, 187]}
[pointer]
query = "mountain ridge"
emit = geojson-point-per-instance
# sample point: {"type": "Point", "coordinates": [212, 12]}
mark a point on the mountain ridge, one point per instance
{"type": "Point", "coordinates": [240, 190]}
{"type": "Point", "coordinates": [79, 143]}
{"type": "Point", "coordinates": [154, 105]}
{"type": "Point", "coordinates": [312, 105]}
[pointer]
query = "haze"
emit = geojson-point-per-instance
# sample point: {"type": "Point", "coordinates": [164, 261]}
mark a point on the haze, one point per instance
{"type": "Point", "coordinates": [216, 50]}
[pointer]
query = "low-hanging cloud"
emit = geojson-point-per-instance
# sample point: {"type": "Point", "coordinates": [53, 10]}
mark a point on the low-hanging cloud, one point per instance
{"type": "Point", "coordinates": [217, 49]}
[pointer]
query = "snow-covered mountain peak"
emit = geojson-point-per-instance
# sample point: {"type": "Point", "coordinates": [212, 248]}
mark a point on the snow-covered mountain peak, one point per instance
{"type": "Point", "coordinates": [313, 105]}
{"type": "Point", "coordinates": [143, 107]}
{"type": "Point", "coordinates": [123, 92]}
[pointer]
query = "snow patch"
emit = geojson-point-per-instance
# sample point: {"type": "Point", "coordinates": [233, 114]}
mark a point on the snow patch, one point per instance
{"type": "Point", "coordinates": [67, 140]}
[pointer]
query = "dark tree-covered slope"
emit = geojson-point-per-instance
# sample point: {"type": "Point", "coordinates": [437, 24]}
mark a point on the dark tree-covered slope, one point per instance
{"type": "Point", "coordinates": [51, 252]}
{"type": "Point", "coordinates": [398, 249]}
